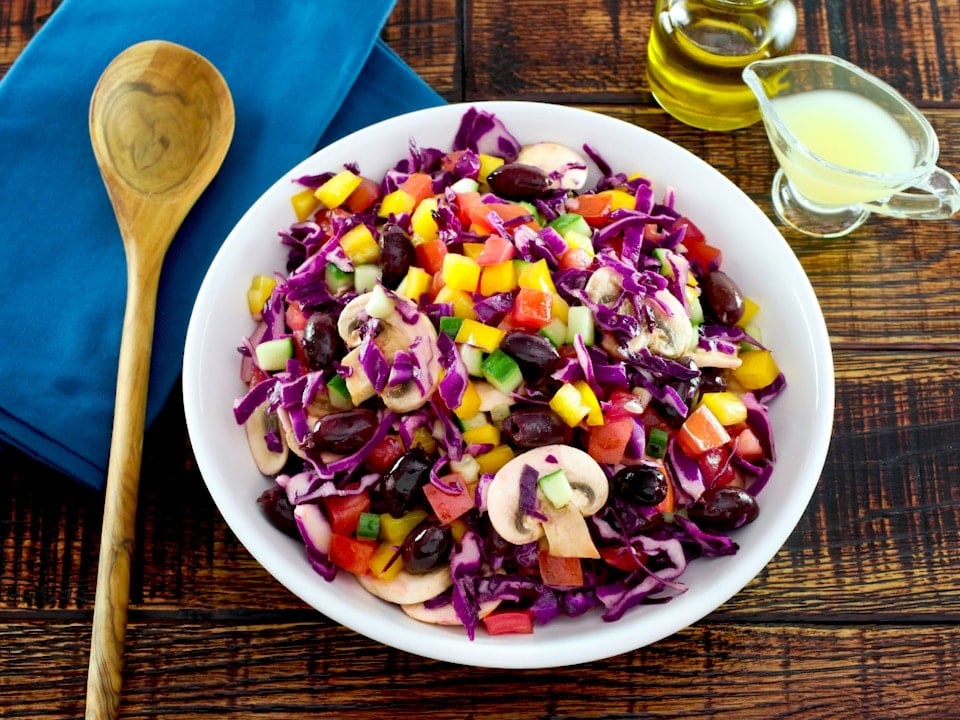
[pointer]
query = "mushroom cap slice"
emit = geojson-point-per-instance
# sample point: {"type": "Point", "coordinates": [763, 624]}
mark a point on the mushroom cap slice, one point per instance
{"type": "Point", "coordinates": [565, 167]}
{"type": "Point", "coordinates": [262, 421]}
{"type": "Point", "coordinates": [587, 480]}
{"type": "Point", "coordinates": [408, 588]}
{"type": "Point", "coordinates": [445, 614]}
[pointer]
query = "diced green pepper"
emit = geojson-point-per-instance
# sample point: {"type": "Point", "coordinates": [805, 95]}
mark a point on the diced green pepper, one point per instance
{"type": "Point", "coordinates": [368, 526]}
{"type": "Point", "coordinates": [657, 443]}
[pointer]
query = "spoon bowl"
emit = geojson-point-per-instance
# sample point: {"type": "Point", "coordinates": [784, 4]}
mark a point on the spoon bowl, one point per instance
{"type": "Point", "coordinates": [161, 121]}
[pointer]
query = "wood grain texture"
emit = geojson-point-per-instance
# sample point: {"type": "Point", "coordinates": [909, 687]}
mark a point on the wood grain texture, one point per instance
{"type": "Point", "coordinates": [855, 617]}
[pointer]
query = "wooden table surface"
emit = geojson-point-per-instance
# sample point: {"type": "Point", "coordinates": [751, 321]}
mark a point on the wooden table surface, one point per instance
{"type": "Point", "coordinates": [856, 616]}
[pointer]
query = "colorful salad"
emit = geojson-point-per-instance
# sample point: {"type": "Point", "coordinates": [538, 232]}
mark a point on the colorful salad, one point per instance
{"type": "Point", "coordinates": [497, 395]}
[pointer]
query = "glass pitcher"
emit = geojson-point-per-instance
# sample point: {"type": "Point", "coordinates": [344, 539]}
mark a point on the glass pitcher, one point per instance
{"type": "Point", "coordinates": [697, 50]}
{"type": "Point", "coordinates": [848, 145]}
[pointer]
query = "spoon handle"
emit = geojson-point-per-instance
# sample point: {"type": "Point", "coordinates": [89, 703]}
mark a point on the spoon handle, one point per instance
{"type": "Point", "coordinates": [104, 676]}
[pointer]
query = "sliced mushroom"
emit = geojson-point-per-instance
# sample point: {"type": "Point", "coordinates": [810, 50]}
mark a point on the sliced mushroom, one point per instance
{"type": "Point", "coordinates": [673, 334]}
{"type": "Point", "coordinates": [258, 425]}
{"type": "Point", "coordinates": [445, 614]}
{"type": "Point", "coordinates": [715, 359]}
{"type": "Point", "coordinates": [604, 286]}
{"type": "Point", "coordinates": [590, 490]}
{"type": "Point", "coordinates": [395, 333]}
{"type": "Point", "coordinates": [407, 588]}
{"type": "Point", "coordinates": [566, 168]}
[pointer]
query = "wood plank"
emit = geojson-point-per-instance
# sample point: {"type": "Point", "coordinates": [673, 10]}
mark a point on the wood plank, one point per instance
{"type": "Point", "coordinates": [427, 34]}
{"type": "Point", "coordinates": [182, 668]}
{"type": "Point", "coordinates": [888, 486]}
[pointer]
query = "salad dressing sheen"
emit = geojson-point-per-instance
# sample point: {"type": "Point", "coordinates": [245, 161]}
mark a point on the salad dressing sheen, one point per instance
{"type": "Point", "coordinates": [698, 49]}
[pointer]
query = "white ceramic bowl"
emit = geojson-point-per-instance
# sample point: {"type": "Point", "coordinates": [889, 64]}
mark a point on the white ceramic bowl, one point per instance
{"type": "Point", "coordinates": [755, 254]}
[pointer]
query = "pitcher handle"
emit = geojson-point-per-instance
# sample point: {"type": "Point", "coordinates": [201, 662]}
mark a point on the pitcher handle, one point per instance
{"type": "Point", "coordinates": [934, 198]}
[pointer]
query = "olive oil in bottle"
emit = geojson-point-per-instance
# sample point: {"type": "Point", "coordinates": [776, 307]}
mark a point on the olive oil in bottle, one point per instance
{"type": "Point", "coordinates": [698, 48]}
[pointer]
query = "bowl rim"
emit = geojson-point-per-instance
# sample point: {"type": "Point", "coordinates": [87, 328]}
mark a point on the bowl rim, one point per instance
{"type": "Point", "coordinates": [551, 645]}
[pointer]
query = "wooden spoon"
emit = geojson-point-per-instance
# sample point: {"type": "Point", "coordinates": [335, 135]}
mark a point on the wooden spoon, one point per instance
{"type": "Point", "coordinates": [161, 120]}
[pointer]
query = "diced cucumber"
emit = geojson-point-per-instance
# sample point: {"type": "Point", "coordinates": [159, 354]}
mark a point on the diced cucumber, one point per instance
{"type": "Point", "coordinates": [580, 322]}
{"type": "Point", "coordinates": [368, 526]}
{"type": "Point", "coordinates": [696, 309]}
{"type": "Point", "coordinates": [501, 371]}
{"type": "Point", "coordinates": [366, 276]}
{"type": "Point", "coordinates": [450, 325]}
{"type": "Point", "coordinates": [472, 422]}
{"type": "Point", "coordinates": [663, 255]}
{"type": "Point", "coordinates": [499, 413]}
{"type": "Point", "coordinates": [582, 242]}
{"type": "Point", "coordinates": [338, 393]}
{"type": "Point", "coordinates": [556, 487]}
{"type": "Point", "coordinates": [272, 355]}
{"type": "Point", "coordinates": [465, 185]}
{"type": "Point", "coordinates": [338, 281]}
{"type": "Point", "coordinates": [570, 222]}
{"type": "Point", "coordinates": [533, 211]}
{"type": "Point", "coordinates": [555, 331]}
{"type": "Point", "coordinates": [472, 357]}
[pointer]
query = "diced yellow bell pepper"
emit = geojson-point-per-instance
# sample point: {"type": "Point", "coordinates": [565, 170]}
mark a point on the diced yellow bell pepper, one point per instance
{"type": "Point", "coordinates": [395, 530]}
{"type": "Point", "coordinates": [488, 163]}
{"type": "Point", "coordinates": [757, 369]}
{"type": "Point", "coordinates": [494, 459]}
{"type": "Point", "coordinates": [304, 204]}
{"type": "Point", "coordinates": [472, 249]}
{"type": "Point", "coordinates": [750, 310]}
{"type": "Point", "coordinates": [486, 434]}
{"type": "Point", "coordinates": [727, 406]}
{"type": "Point", "coordinates": [580, 242]}
{"type": "Point", "coordinates": [360, 245]}
{"type": "Point", "coordinates": [423, 438]}
{"type": "Point", "coordinates": [497, 278]}
{"type": "Point", "coordinates": [485, 337]}
{"type": "Point", "coordinates": [337, 189]}
{"type": "Point", "coordinates": [560, 308]}
{"type": "Point", "coordinates": [589, 399]}
{"type": "Point", "coordinates": [398, 202]}
{"type": "Point", "coordinates": [261, 287]}
{"type": "Point", "coordinates": [470, 404]}
{"type": "Point", "coordinates": [619, 199]}
{"type": "Point", "coordinates": [460, 272]}
{"type": "Point", "coordinates": [536, 275]}
{"type": "Point", "coordinates": [415, 283]}
{"type": "Point", "coordinates": [386, 563]}
{"type": "Point", "coordinates": [461, 301]}
{"type": "Point", "coordinates": [423, 223]}
{"type": "Point", "coordinates": [458, 528]}
{"type": "Point", "coordinates": [568, 404]}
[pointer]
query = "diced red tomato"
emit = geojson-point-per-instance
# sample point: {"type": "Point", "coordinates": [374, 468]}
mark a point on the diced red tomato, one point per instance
{"type": "Point", "coordinates": [294, 317]}
{"type": "Point", "coordinates": [449, 506]}
{"type": "Point", "coordinates": [560, 572]}
{"type": "Point", "coordinates": [532, 309]}
{"type": "Point", "coordinates": [595, 209]}
{"type": "Point", "coordinates": [419, 186]}
{"type": "Point", "coordinates": [430, 255]}
{"type": "Point", "coordinates": [701, 431]}
{"type": "Point", "coordinates": [351, 554]}
{"type": "Point", "coordinates": [448, 162]}
{"type": "Point", "coordinates": [384, 454]}
{"type": "Point", "coordinates": [693, 233]}
{"type": "Point", "coordinates": [622, 557]}
{"type": "Point", "coordinates": [466, 202]}
{"type": "Point", "coordinates": [704, 255]}
{"type": "Point", "coordinates": [716, 468]}
{"type": "Point", "coordinates": [747, 445]}
{"type": "Point", "coordinates": [496, 249]}
{"type": "Point", "coordinates": [575, 258]}
{"type": "Point", "coordinates": [479, 214]}
{"type": "Point", "coordinates": [509, 621]}
{"type": "Point", "coordinates": [343, 511]}
{"type": "Point", "coordinates": [364, 196]}
{"type": "Point", "coordinates": [607, 443]}
{"type": "Point", "coordinates": [669, 503]}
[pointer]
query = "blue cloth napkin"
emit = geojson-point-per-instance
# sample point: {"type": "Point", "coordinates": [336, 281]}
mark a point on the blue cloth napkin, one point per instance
{"type": "Point", "coordinates": [302, 73]}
